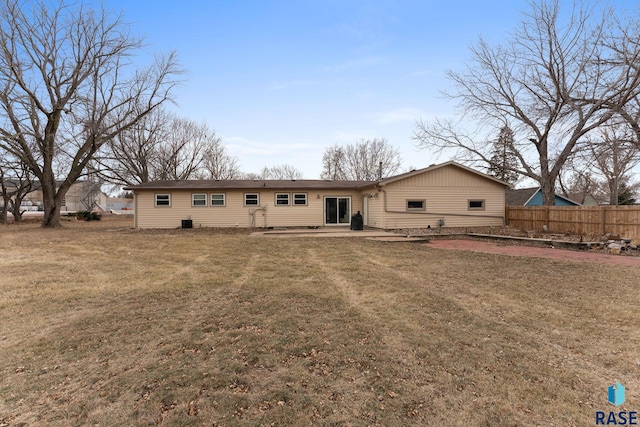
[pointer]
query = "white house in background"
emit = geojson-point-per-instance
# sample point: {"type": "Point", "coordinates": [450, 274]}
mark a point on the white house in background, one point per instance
{"type": "Point", "coordinates": [82, 196]}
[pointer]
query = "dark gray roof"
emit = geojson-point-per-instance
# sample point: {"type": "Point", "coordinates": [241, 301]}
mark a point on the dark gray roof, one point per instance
{"type": "Point", "coordinates": [518, 197]}
{"type": "Point", "coordinates": [294, 184]}
{"type": "Point", "coordinates": [250, 184]}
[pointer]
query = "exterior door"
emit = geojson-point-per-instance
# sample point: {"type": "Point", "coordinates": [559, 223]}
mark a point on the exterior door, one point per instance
{"type": "Point", "coordinates": [365, 210]}
{"type": "Point", "coordinates": [337, 210]}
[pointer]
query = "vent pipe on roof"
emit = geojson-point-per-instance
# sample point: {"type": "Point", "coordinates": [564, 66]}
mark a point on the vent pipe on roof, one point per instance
{"type": "Point", "coordinates": [380, 172]}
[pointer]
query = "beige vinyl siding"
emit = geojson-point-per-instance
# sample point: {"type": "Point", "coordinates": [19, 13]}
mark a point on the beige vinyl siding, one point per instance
{"type": "Point", "coordinates": [450, 204]}
{"type": "Point", "coordinates": [447, 176]}
{"type": "Point", "coordinates": [234, 213]}
{"type": "Point", "coordinates": [375, 208]}
{"type": "Point", "coordinates": [446, 192]}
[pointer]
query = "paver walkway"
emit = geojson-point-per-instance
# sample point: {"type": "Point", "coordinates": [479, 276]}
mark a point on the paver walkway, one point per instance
{"type": "Point", "coordinates": [529, 251]}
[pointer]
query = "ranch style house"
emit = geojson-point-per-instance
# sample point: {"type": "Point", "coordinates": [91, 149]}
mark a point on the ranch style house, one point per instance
{"type": "Point", "coordinates": [447, 194]}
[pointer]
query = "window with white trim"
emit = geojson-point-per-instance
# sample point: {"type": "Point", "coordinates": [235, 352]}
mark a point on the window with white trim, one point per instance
{"type": "Point", "coordinates": [217, 199]}
{"type": "Point", "coordinates": [282, 199]}
{"type": "Point", "coordinates": [299, 199]}
{"type": "Point", "coordinates": [198, 199]}
{"type": "Point", "coordinates": [476, 205]}
{"type": "Point", "coordinates": [416, 205]}
{"type": "Point", "coordinates": [163, 200]}
{"type": "Point", "coordinates": [251, 199]}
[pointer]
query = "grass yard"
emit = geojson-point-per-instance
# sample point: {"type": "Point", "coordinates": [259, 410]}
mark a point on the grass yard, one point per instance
{"type": "Point", "coordinates": [108, 326]}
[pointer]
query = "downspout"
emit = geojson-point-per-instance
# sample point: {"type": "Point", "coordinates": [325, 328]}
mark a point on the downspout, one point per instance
{"type": "Point", "coordinates": [252, 215]}
{"type": "Point", "coordinates": [135, 209]}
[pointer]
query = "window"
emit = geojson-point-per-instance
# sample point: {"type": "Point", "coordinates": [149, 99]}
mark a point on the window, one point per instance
{"type": "Point", "coordinates": [217, 200]}
{"type": "Point", "coordinates": [416, 205]}
{"type": "Point", "coordinates": [476, 205]}
{"type": "Point", "coordinates": [299, 199]}
{"type": "Point", "coordinates": [251, 199]}
{"type": "Point", "coordinates": [163, 199]}
{"type": "Point", "coordinates": [198, 200]}
{"type": "Point", "coordinates": [282, 199]}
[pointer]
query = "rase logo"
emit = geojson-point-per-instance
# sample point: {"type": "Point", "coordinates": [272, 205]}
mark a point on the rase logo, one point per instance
{"type": "Point", "coordinates": [615, 396]}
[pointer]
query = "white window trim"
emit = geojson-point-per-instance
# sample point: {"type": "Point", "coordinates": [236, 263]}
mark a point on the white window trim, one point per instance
{"type": "Point", "coordinates": [193, 200]}
{"type": "Point", "coordinates": [423, 208]}
{"type": "Point", "coordinates": [483, 207]}
{"type": "Point", "coordinates": [275, 201]}
{"type": "Point", "coordinates": [252, 194]}
{"type": "Point", "coordinates": [293, 201]}
{"type": "Point", "coordinates": [155, 200]}
{"type": "Point", "coordinates": [224, 200]}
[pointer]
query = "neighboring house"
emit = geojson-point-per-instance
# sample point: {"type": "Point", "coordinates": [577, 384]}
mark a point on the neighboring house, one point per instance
{"type": "Point", "coordinates": [81, 196]}
{"type": "Point", "coordinates": [585, 199]}
{"type": "Point", "coordinates": [120, 205]}
{"type": "Point", "coordinates": [533, 197]}
{"type": "Point", "coordinates": [448, 194]}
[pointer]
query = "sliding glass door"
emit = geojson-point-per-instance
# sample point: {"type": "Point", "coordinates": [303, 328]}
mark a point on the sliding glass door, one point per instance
{"type": "Point", "coordinates": [337, 210]}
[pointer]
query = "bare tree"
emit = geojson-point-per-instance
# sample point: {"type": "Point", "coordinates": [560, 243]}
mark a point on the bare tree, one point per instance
{"type": "Point", "coordinates": [181, 154]}
{"type": "Point", "coordinates": [370, 160]}
{"type": "Point", "coordinates": [333, 163]}
{"type": "Point", "coordinates": [216, 162]}
{"type": "Point", "coordinates": [280, 172]}
{"type": "Point", "coordinates": [130, 157]}
{"type": "Point", "coordinates": [612, 153]}
{"type": "Point", "coordinates": [16, 182]}
{"type": "Point", "coordinates": [163, 146]}
{"type": "Point", "coordinates": [553, 81]}
{"type": "Point", "coordinates": [67, 86]}
{"type": "Point", "coordinates": [579, 182]}
{"type": "Point", "coordinates": [366, 160]}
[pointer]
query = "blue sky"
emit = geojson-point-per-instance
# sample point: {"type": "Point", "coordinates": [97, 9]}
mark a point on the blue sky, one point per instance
{"type": "Point", "coordinates": [279, 81]}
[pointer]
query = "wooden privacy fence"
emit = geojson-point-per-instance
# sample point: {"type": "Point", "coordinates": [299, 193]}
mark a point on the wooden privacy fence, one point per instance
{"type": "Point", "coordinates": [582, 220]}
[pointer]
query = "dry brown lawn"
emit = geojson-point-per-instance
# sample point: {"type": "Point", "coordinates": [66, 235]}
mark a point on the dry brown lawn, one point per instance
{"type": "Point", "coordinates": [105, 325]}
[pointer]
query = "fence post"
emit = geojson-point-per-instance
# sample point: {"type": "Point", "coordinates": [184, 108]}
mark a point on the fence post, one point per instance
{"type": "Point", "coordinates": [546, 218]}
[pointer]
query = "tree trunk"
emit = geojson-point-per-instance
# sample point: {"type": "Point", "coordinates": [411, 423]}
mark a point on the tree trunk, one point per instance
{"type": "Point", "coordinates": [50, 202]}
{"type": "Point", "coordinates": [51, 215]}
{"type": "Point", "coordinates": [613, 192]}
{"type": "Point", "coordinates": [16, 205]}
{"type": "Point", "coordinates": [3, 214]}
{"type": "Point", "coordinates": [547, 187]}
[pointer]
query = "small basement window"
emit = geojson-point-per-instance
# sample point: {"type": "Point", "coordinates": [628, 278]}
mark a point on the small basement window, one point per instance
{"type": "Point", "coordinates": [416, 205]}
{"type": "Point", "coordinates": [217, 200]}
{"type": "Point", "coordinates": [163, 199]}
{"type": "Point", "coordinates": [198, 200]}
{"type": "Point", "coordinates": [282, 199]}
{"type": "Point", "coordinates": [251, 199]}
{"type": "Point", "coordinates": [476, 205]}
{"type": "Point", "coordinates": [299, 199]}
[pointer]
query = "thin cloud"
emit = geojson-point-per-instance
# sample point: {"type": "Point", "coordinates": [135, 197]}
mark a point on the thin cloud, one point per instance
{"type": "Point", "coordinates": [240, 147]}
